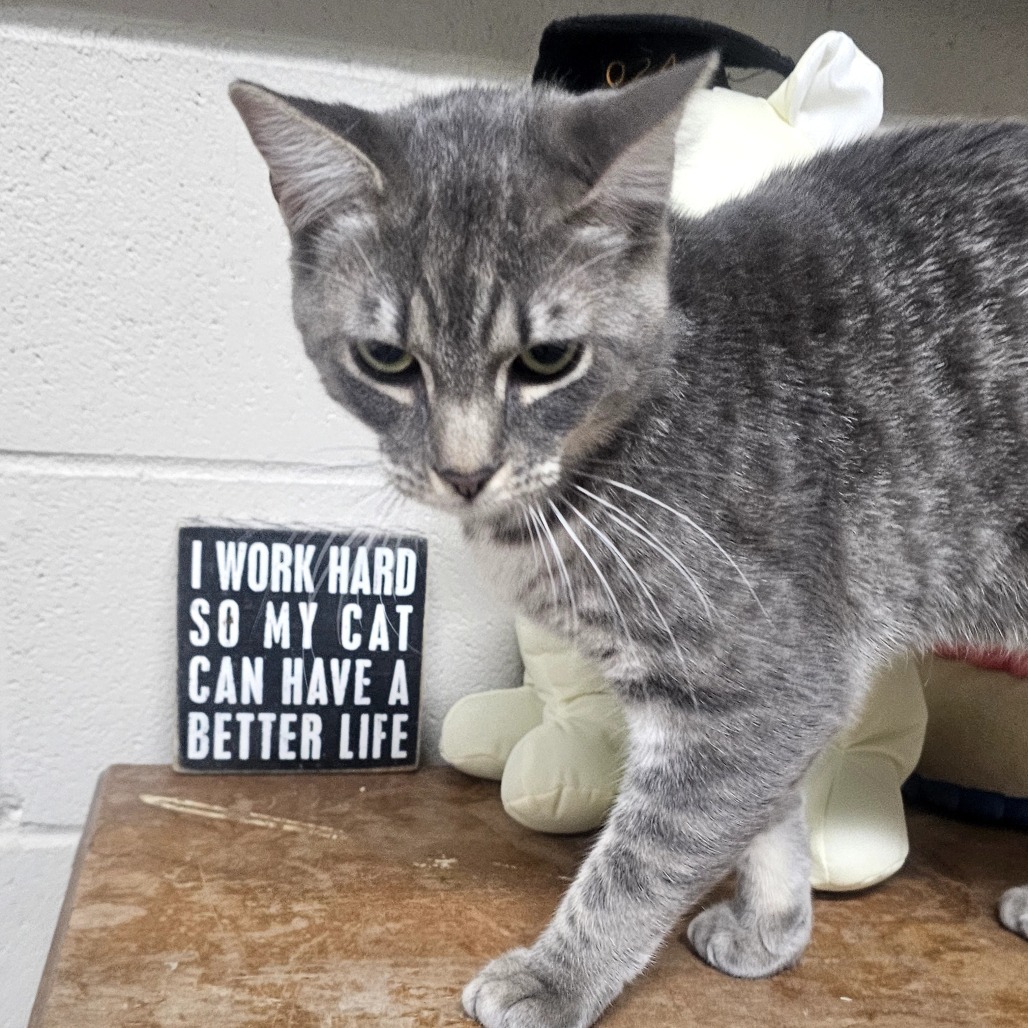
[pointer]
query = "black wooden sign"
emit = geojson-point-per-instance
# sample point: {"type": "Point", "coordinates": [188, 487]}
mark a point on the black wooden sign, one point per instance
{"type": "Point", "coordinates": [299, 651]}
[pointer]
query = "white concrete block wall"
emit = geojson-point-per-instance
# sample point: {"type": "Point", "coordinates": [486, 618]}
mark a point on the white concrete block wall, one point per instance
{"type": "Point", "coordinates": [151, 376]}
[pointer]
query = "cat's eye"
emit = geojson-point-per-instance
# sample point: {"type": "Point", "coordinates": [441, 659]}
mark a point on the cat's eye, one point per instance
{"type": "Point", "coordinates": [546, 361]}
{"type": "Point", "coordinates": [384, 359]}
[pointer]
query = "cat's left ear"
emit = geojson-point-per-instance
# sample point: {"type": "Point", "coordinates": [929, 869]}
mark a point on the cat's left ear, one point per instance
{"type": "Point", "coordinates": [319, 156]}
{"type": "Point", "coordinates": [622, 142]}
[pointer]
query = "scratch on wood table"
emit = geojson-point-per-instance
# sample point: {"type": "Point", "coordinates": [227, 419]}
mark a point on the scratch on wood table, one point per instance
{"type": "Point", "coordinates": [212, 810]}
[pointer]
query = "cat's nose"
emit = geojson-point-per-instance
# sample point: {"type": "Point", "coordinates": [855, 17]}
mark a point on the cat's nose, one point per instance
{"type": "Point", "coordinates": [466, 484]}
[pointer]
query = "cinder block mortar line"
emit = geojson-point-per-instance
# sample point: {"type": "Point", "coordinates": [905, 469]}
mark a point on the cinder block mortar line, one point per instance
{"type": "Point", "coordinates": [205, 469]}
{"type": "Point", "coordinates": [39, 836]}
{"type": "Point", "coordinates": [14, 831]}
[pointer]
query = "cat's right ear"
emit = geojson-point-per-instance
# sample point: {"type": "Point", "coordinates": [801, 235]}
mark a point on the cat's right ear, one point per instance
{"type": "Point", "coordinates": [314, 168]}
{"type": "Point", "coordinates": [622, 144]}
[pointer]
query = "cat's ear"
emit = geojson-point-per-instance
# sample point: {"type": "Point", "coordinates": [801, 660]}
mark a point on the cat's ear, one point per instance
{"type": "Point", "coordinates": [622, 142]}
{"type": "Point", "coordinates": [313, 152]}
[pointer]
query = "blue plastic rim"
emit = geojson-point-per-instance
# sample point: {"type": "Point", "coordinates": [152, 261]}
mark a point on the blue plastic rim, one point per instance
{"type": "Point", "coordinates": [976, 804]}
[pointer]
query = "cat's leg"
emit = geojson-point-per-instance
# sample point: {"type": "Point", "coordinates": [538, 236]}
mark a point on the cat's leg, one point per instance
{"type": "Point", "coordinates": [1013, 910]}
{"type": "Point", "coordinates": [700, 786]}
{"type": "Point", "coordinates": [765, 927]}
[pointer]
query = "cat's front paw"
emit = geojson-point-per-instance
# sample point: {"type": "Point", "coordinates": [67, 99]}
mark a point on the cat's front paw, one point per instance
{"type": "Point", "coordinates": [750, 950]}
{"type": "Point", "coordinates": [515, 991]}
{"type": "Point", "coordinates": [1013, 910]}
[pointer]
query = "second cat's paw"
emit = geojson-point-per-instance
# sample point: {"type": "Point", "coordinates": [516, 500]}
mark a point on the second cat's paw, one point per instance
{"type": "Point", "coordinates": [1013, 910]}
{"type": "Point", "coordinates": [515, 992]}
{"type": "Point", "coordinates": [749, 950]}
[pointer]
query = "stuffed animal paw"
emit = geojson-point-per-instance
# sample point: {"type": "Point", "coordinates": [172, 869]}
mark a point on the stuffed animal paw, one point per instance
{"type": "Point", "coordinates": [852, 800]}
{"type": "Point", "coordinates": [555, 743]}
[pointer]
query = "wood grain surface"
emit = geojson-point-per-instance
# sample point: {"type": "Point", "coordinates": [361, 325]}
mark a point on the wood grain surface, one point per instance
{"type": "Point", "coordinates": [360, 900]}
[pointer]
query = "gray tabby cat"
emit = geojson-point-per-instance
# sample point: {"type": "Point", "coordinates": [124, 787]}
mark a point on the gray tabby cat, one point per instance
{"type": "Point", "coordinates": [740, 460]}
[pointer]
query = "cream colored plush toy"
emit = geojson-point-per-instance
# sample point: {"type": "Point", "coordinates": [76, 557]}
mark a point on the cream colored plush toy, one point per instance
{"type": "Point", "coordinates": [557, 743]}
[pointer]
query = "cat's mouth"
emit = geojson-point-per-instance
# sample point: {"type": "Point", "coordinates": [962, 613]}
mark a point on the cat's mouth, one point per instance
{"type": "Point", "coordinates": [484, 494]}
{"type": "Point", "coordinates": [498, 492]}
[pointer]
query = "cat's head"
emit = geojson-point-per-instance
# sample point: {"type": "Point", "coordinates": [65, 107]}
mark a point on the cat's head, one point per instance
{"type": "Point", "coordinates": [480, 276]}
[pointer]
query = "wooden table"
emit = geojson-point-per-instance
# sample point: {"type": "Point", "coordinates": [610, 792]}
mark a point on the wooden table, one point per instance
{"type": "Point", "coordinates": [361, 900]}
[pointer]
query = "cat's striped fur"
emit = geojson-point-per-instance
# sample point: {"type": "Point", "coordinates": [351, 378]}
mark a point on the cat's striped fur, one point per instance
{"type": "Point", "coordinates": [793, 442]}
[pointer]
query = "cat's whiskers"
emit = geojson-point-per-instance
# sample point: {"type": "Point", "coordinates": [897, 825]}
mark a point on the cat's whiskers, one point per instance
{"type": "Point", "coordinates": [368, 465]}
{"type": "Point", "coordinates": [641, 588]}
{"type": "Point", "coordinates": [559, 560]}
{"type": "Point", "coordinates": [658, 464]}
{"type": "Point", "coordinates": [384, 512]}
{"type": "Point", "coordinates": [375, 277]}
{"type": "Point", "coordinates": [542, 558]}
{"type": "Point", "coordinates": [407, 485]}
{"type": "Point", "coordinates": [526, 521]}
{"type": "Point", "coordinates": [364, 455]}
{"type": "Point", "coordinates": [592, 563]}
{"type": "Point", "coordinates": [573, 242]}
{"type": "Point", "coordinates": [576, 269]}
{"type": "Point", "coordinates": [337, 278]}
{"type": "Point", "coordinates": [644, 534]}
{"type": "Point", "coordinates": [693, 525]}
{"type": "Point", "coordinates": [538, 521]}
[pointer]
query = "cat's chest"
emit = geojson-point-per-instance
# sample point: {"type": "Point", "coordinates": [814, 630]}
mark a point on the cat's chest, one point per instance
{"type": "Point", "coordinates": [544, 583]}
{"type": "Point", "coordinates": [549, 576]}
{"type": "Point", "coordinates": [508, 567]}
{"type": "Point", "coordinates": [537, 577]}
